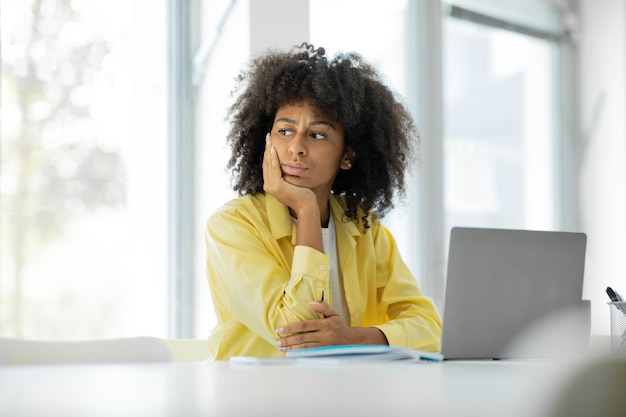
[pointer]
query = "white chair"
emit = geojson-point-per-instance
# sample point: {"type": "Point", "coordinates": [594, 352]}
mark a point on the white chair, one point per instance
{"type": "Point", "coordinates": [121, 350]}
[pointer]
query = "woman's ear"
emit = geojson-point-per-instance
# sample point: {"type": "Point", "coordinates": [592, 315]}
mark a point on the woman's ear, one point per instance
{"type": "Point", "coordinates": [348, 159]}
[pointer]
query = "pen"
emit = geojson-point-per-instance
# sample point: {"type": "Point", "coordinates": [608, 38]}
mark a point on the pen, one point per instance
{"type": "Point", "coordinates": [613, 295]}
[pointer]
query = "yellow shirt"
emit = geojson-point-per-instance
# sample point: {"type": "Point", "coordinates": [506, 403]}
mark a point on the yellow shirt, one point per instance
{"type": "Point", "coordinates": [260, 280]}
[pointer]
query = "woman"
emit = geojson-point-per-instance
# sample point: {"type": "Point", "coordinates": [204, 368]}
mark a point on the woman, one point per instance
{"type": "Point", "coordinates": [320, 148]}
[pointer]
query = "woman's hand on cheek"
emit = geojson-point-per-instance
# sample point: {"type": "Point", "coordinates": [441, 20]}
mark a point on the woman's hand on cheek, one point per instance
{"type": "Point", "coordinates": [274, 183]}
{"type": "Point", "coordinates": [272, 175]}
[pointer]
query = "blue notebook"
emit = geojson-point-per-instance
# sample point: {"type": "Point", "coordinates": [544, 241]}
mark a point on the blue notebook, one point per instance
{"type": "Point", "coordinates": [365, 353]}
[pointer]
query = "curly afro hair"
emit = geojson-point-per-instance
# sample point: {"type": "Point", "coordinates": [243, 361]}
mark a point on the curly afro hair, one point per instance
{"type": "Point", "coordinates": [377, 126]}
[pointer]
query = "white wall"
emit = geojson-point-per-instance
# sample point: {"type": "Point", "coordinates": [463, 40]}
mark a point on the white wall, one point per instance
{"type": "Point", "coordinates": [603, 164]}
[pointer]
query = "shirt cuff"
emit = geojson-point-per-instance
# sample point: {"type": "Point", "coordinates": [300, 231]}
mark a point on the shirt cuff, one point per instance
{"type": "Point", "coordinates": [310, 262]}
{"type": "Point", "coordinates": [394, 335]}
{"type": "Point", "coordinates": [313, 266]}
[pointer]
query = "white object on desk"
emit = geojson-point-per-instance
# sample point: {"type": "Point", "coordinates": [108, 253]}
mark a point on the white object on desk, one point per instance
{"type": "Point", "coordinates": [594, 388]}
{"type": "Point", "coordinates": [121, 350]}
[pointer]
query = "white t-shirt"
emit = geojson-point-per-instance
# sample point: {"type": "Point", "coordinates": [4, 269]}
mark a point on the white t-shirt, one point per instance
{"type": "Point", "coordinates": [336, 280]}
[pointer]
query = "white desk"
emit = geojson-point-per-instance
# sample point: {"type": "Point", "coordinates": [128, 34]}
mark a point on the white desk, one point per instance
{"type": "Point", "coordinates": [481, 388]}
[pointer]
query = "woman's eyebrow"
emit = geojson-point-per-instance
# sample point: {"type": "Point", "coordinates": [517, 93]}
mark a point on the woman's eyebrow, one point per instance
{"type": "Point", "coordinates": [286, 120]}
{"type": "Point", "coordinates": [313, 123]}
{"type": "Point", "coordinates": [322, 122]}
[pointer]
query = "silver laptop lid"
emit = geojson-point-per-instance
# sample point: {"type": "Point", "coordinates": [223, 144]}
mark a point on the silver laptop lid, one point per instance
{"type": "Point", "coordinates": [500, 281]}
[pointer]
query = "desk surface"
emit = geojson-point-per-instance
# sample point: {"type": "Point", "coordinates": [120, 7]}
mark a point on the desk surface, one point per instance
{"type": "Point", "coordinates": [480, 388]}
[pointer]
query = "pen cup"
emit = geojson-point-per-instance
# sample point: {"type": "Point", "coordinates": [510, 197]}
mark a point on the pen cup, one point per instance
{"type": "Point", "coordinates": [618, 326]}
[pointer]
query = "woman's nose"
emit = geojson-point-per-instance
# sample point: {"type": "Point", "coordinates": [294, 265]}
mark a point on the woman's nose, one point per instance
{"type": "Point", "coordinates": [297, 145]}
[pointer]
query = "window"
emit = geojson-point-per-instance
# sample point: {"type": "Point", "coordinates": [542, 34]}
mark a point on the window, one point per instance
{"type": "Point", "coordinates": [502, 146]}
{"type": "Point", "coordinates": [500, 133]}
{"type": "Point", "coordinates": [84, 171]}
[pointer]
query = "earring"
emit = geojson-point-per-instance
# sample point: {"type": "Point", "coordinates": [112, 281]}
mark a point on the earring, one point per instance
{"type": "Point", "coordinates": [349, 164]}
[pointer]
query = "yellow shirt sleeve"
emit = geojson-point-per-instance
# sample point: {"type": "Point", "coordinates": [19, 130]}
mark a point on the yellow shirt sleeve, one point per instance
{"type": "Point", "coordinates": [409, 318]}
{"type": "Point", "coordinates": [259, 282]}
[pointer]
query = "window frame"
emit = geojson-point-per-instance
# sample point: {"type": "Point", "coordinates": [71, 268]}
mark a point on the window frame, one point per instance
{"type": "Point", "coordinates": [183, 32]}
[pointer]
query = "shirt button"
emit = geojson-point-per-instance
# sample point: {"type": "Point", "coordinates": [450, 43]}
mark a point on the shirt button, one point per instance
{"type": "Point", "coordinates": [321, 267]}
{"type": "Point", "coordinates": [355, 315]}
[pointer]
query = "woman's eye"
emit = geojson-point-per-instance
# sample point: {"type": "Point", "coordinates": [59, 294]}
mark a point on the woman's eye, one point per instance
{"type": "Point", "coordinates": [285, 132]}
{"type": "Point", "coordinates": [318, 136]}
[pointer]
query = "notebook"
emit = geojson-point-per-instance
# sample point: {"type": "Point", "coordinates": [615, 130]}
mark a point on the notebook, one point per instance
{"type": "Point", "coordinates": [502, 282]}
{"type": "Point", "coordinates": [343, 354]}
{"type": "Point", "coordinates": [367, 353]}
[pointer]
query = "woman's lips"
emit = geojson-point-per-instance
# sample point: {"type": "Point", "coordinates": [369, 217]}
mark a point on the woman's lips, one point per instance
{"type": "Point", "coordinates": [293, 169]}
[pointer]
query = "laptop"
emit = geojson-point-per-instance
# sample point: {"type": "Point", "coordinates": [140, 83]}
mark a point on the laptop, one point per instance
{"type": "Point", "coordinates": [502, 283]}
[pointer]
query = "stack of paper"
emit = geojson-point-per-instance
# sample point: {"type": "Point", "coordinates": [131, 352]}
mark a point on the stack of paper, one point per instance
{"type": "Point", "coordinates": [366, 353]}
{"type": "Point", "coordinates": [347, 354]}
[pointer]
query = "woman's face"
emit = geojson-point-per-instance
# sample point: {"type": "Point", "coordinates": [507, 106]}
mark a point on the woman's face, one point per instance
{"type": "Point", "coordinates": [309, 145]}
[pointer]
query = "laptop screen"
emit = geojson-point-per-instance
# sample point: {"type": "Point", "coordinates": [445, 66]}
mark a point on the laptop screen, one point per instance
{"type": "Point", "coordinates": [500, 282]}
